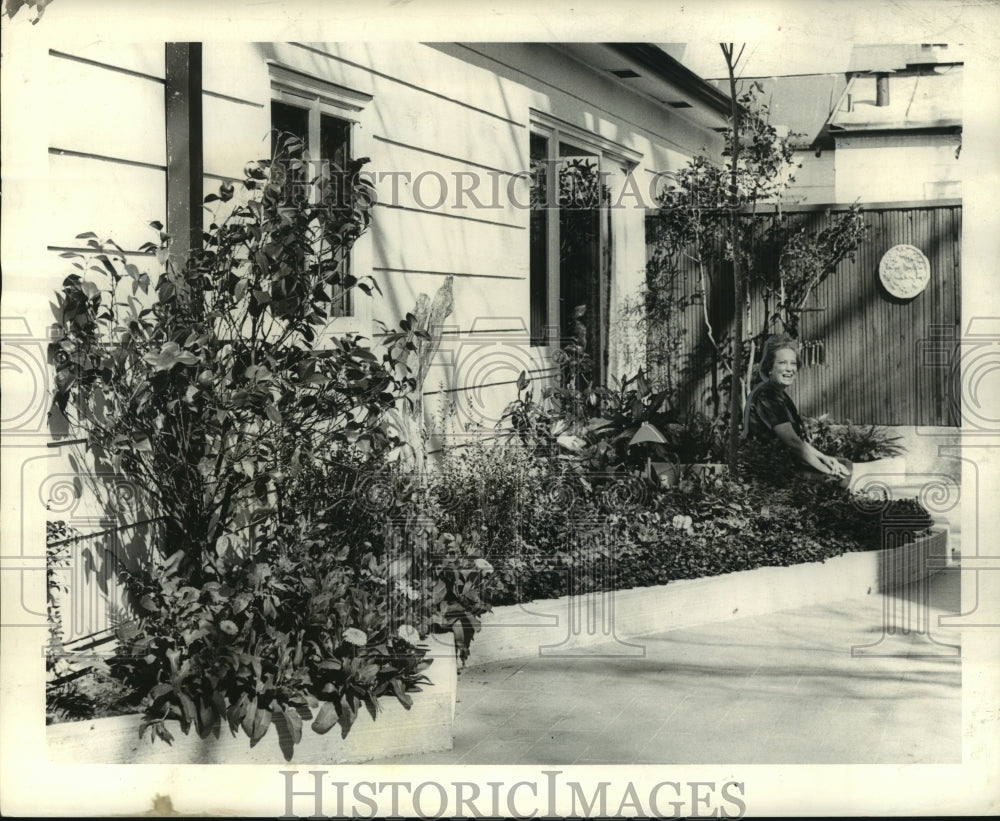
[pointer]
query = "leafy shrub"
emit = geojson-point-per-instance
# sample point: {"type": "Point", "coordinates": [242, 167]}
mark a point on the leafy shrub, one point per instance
{"type": "Point", "coordinates": [696, 438]}
{"type": "Point", "coordinates": [481, 490]}
{"type": "Point", "coordinates": [299, 626]}
{"type": "Point", "coordinates": [277, 586]}
{"type": "Point", "coordinates": [488, 498]}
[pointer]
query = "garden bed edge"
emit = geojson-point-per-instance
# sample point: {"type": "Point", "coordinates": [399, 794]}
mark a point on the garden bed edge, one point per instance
{"type": "Point", "coordinates": [562, 626]}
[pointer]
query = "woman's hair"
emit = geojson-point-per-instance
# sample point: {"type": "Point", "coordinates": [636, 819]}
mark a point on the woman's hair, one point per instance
{"type": "Point", "coordinates": [771, 348]}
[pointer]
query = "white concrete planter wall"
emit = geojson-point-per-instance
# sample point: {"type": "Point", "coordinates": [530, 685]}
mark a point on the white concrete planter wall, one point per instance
{"type": "Point", "coordinates": [890, 472]}
{"type": "Point", "coordinates": [425, 727]}
{"type": "Point", "coordinates": [562, 626]}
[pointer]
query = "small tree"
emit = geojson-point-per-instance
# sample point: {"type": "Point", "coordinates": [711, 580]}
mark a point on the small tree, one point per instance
{"type": "Point", "coordinates": [787, 262]}
{"type": "Point", "coordinates": [709, 217]}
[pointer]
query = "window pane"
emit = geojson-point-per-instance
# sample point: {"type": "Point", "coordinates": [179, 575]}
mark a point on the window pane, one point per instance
{"type": "Point", "coordinates": [581, 284]}
{"type": "Point", "coordinates": [335, 154]}
{"type": "Point", "coordinates": [335, 141]}
{"type": "Point", "coordinates": [288, 121]}
{"type": "Point", "coordinates": [539, 270]}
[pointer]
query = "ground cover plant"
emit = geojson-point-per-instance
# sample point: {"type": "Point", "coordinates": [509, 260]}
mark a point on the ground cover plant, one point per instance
{"type": "Point", "coordinates": [710, 528]}
{"type": "Point", "coordinates": [564, 504]}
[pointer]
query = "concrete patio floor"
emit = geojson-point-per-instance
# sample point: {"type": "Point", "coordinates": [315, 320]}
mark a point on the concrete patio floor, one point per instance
{"type": "Point", "coordinates": [823, 684]}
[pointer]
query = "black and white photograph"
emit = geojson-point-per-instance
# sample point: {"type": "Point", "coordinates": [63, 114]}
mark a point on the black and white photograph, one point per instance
{"type": "Point", "coordinates": [500, 411]}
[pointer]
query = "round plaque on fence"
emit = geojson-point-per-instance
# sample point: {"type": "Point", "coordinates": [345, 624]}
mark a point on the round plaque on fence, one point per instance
{"type": "Point", "coordinates": [904, 271]}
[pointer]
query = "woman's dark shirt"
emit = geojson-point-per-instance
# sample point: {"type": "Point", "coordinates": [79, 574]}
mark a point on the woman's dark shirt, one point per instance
{"type": "Point", "coordinates": [767, 407]}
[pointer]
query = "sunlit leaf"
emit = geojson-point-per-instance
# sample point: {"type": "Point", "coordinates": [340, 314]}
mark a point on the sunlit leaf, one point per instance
{"type": "Point", "coordinates": [325, 719]}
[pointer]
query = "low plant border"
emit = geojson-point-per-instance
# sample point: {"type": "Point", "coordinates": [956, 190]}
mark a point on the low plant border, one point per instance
{"type": "Point", "coordinates": [553, 627]}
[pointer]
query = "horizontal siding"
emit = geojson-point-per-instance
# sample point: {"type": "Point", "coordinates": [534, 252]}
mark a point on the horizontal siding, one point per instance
{"type": "Point", "coordinates": [422, 121]}
{"type": "Point", "coordinates": [476, 300]}
{"type": "Point", "coordinates": [106, 155]}
{"type": "Point", "coordinates": [430, 115]}
{"type": "Point", "coordinates": [98, 110]}
{"type": "Point", "coordinates": [411, 240]}
{"type": "Point", "coordinates": [234, 133]}
{"type": "Point", "coordinates": [430, 72]}
{"type": "Point", "coordinates": [146, 59]}
{"type": "Point", "coordinates": [411, 177]}
{"type": "Point", "coordinates": [412, 105]}
{"type": "Point", "coordinates": [79, 201]}
{"type": "Point", "coordinates": [237, 69]}
{"type": "Point", "coordinates": [441, 111]}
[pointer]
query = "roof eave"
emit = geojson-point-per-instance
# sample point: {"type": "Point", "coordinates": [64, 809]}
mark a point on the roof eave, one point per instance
{"type": "Point", "coordinates": [899, 125]}
{"type": "Point", "coordinates": [655, 60]}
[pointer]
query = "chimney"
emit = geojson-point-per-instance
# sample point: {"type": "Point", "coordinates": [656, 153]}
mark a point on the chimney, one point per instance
{"type": "Point", "coordinates": [881, 89]}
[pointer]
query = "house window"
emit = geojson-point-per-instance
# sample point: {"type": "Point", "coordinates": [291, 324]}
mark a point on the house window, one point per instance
{"type": "Point", "coordinates": [333, 137]}
{"type": "Point", "coordinates": [326, 118]}
{"type": "Point", "coordinates": [571, 233]}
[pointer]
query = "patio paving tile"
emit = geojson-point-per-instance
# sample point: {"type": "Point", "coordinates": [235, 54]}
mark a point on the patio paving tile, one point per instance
{"type": "Point", "coordinates": [562, 747]}
{"type": "Point", "coordinates": [493, 751]}
{"type": "Point", "coordinates": [785, 749]}
{"type": "Point", "coordinates": [784, 688]}
{"type": "Point", "coordinates": [713, 747]}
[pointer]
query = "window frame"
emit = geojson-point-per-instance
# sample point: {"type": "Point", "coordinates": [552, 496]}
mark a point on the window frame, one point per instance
{"type": "Point", "coordinates": [322, 97]}
{"type": "Point", "coordinates": [613, 159]}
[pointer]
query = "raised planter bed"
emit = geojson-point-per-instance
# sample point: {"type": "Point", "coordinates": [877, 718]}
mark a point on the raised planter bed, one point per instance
{"type": "Point", "coordinates": [572, 623]}
{"type": "Point", "coordinates": [425, 727]}
{"type": "Point", "coordinates": [890, 472]}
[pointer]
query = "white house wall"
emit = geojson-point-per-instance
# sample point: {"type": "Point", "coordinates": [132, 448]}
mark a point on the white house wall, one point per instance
{"type": "Point", "coordinates": [554, 83]}
{"type": "Point", "coordinates": [96, 163]}
{"type": "Point", "coordinates": [105, 131]}
{"type": "Point", "coordinates": [901, 167]}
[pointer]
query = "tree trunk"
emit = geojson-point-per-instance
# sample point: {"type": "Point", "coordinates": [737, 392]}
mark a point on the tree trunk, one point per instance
{"type": "Point", "coordinates": [736, 388]}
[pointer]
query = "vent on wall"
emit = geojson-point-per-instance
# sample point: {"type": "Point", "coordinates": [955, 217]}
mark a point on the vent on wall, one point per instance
{"type": "Point", "coordinates": [624, 73]}
{"type": "Point", "coordinates": [678, 103]}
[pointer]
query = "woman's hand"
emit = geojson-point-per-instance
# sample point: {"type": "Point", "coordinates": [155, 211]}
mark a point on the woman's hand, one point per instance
{"type": "Point", "coordinates": [833, 466]}
{"type": "Point", "coordinates": [808, 454]}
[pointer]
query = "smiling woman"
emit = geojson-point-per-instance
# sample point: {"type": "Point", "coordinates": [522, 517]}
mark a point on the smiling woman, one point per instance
{"type": "Point", "coordinates": [770, 414]}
